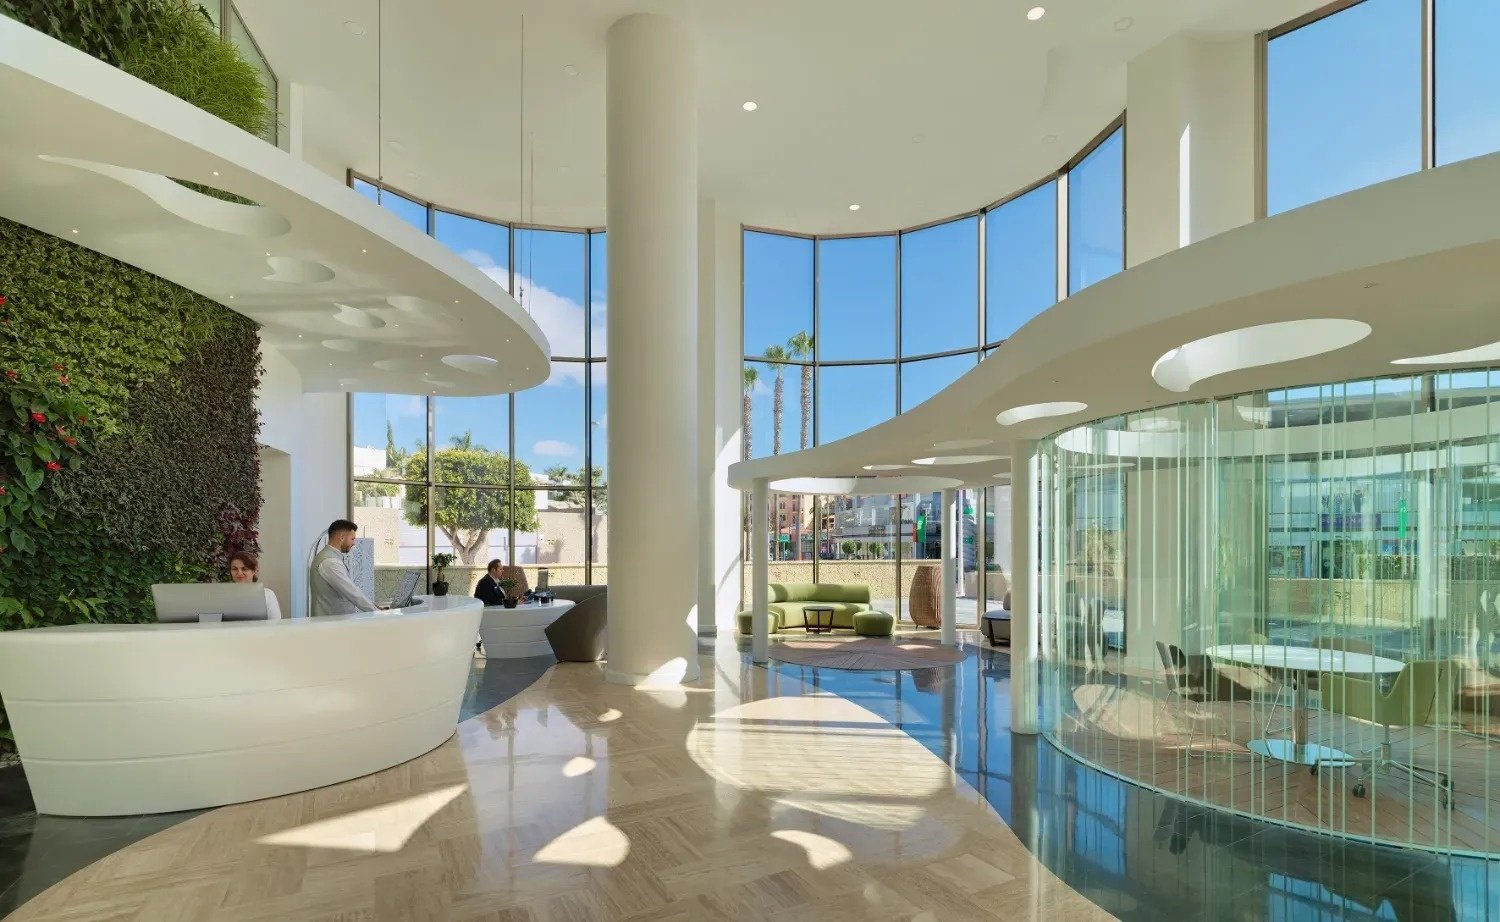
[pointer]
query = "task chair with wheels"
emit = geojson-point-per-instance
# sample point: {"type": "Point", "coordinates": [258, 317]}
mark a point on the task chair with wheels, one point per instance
{"type": "Point", "coordinates": [1410, 702]}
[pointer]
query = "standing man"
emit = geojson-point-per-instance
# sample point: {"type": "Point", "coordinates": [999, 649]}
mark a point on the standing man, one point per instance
{"type": "Point", "coordinates": [333, 589]}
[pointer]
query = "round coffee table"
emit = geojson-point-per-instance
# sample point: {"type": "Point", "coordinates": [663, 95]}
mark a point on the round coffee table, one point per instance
{"type": "Point", "coordinates": [814, 622]}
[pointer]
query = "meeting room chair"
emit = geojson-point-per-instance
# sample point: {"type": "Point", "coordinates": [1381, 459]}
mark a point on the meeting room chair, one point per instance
{"type": "Point", "coordinates": [1410, 702]}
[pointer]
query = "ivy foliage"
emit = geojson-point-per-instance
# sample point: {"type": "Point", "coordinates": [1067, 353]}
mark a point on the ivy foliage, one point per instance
{"type": "Point", "coordinates": [169, 471]}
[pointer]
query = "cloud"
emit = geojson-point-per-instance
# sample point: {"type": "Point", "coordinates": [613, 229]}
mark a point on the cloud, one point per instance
{"type": "Point", "coordinates": [551, 448]}
{"type": "Point", "coordinates": [561, 319]}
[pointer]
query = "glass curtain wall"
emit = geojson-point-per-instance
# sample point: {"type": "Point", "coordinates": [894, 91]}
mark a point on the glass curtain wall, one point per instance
{"type": "Point", "coordinates": [843, 333]}
{"type": "Point", "coordinates": [521, 478]}
{"type": "Point", "coordinates": [1374, 90]}
{"type": "Point", "coordinates": [1287, 603]}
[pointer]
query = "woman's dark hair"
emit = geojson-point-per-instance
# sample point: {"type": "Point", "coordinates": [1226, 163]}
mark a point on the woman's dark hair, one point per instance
{"type": "Point", "coordinates": [250, 561]}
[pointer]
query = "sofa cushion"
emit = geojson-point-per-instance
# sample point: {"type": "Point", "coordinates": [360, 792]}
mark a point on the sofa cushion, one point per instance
{"type": "Point", "coordinates": [841, 592]}
{"type": "Point", "coordinates": [790, 592]}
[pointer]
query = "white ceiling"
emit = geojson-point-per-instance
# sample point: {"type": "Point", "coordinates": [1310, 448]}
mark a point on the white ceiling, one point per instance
{"type": "Point", "coordinates": [915, 111]}
{"type": "Point", "coordinates": [1416, 258]}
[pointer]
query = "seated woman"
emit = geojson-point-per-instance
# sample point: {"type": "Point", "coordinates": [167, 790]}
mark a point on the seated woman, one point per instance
{"type": "Point", "coordinates": [245, 568]}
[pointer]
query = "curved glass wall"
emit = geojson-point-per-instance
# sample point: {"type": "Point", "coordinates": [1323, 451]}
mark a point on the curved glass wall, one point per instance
{"type": "Point", "coordinates": [1287, 604]}
{"type": "Point", "coordinates": [518, 477]}
{"type": "Point", "coordinates": [843, 333]}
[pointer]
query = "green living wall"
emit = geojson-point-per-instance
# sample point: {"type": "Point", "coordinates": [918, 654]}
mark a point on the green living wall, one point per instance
{"type": "Point", "coordinates": [163, 479]}
{"type": "Point", "coordinates": [128, 428]}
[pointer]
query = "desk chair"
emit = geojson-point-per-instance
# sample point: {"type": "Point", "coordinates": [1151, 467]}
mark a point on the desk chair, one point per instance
{"type": "Point", "coordinates": [1409, 703]}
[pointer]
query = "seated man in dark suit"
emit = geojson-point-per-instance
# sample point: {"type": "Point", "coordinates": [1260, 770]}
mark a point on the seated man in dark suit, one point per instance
{"type": "Point", "coordinates": [488, 589]}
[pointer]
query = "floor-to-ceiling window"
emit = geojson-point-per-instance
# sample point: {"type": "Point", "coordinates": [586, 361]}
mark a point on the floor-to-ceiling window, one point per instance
{"type": "Point", "coordinates": [1343, 102]}
{"type": "Point", "coordinates": [1369, 91]}
{"type": "Point", "coordinates": [520, 478]}
{"type": "Point", "coordinates": [842, 333]}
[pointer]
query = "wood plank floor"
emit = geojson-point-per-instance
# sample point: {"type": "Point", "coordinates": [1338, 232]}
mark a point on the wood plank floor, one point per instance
{"type": "Point", "coordinates": [1199, 750]}
{"type": "Point", "coordinates": [746, 795]}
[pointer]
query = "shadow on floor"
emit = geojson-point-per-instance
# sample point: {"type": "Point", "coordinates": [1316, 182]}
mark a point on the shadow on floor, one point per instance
{"type": "Point", "coordinates": [37, 851]}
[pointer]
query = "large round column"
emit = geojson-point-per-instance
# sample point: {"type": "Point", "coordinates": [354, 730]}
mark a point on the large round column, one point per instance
{"type": "Point", "coordinates": [652, 150]}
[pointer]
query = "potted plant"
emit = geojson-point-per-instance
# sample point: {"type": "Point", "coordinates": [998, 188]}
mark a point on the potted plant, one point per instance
{"type": "Point", "coordinates": [440, 563]}
{"type": "Point", "coordinates": [511, 599]}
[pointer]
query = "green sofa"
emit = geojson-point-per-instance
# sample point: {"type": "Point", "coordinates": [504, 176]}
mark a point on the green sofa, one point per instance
{"type": "Point", "coordinates": [787, 602]}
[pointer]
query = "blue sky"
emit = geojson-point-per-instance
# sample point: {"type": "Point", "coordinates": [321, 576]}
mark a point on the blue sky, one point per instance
{"type": "Point", "coordinates": [1343, 111]}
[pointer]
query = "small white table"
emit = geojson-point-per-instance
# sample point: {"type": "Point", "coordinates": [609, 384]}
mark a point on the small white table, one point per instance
{"type": "Point", "coordinates": [1299, 664]}
{"type": "Point", "coordinates": [508, 633]}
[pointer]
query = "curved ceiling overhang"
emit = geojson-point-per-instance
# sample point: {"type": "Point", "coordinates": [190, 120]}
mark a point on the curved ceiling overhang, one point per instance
{"type": "Point", "coordinates": [353, 296]}
{"type": "Point", "coordinates": [1416, 258]}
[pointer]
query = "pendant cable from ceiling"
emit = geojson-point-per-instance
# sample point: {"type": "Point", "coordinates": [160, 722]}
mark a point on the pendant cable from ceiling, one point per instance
{"type": "Point", "coordinates": [521, 167]}
{"type": "Point", "coordinates": [379, 101]}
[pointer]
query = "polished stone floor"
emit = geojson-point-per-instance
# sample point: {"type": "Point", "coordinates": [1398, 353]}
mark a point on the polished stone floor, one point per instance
{"type": "Point", "coordinates": [1135, 853]}
{"type": "Point", "coordinates": [1143, 855]}
{"type": "Point", "coordinates": [38, 851]}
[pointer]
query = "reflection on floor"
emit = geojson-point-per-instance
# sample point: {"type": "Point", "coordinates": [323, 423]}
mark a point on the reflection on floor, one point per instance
{"type": "Point", "coordinates": [744, 796]}
{"type": "Point", "coordinates": [757, 794]}
{"type": "Point", "coordinates": [1142, 855]}
{"type": "Point", "coordinates": [38, 851]}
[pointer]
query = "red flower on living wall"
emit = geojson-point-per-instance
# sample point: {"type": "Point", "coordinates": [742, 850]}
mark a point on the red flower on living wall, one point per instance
{"type": "Point", "coordinates": [38, 417]}
{"type": "Point", "coordinates": [53, 466]}
{"type": "Point", "coordinates": [12, 374]}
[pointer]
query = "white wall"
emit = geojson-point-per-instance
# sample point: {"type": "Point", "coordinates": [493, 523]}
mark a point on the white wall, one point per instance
{"type": "Point", "coordinates": [311, 431]}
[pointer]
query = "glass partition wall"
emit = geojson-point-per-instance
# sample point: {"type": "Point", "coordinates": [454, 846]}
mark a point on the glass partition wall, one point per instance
{"type": "Point", "coordinates": [1286, 604]}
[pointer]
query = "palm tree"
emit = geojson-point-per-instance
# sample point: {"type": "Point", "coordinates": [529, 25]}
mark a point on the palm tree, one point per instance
{"type": "Point", "coordinates": [777, 355]}
{"type": "Point", "coordinates": [463, 442]}
{"type": "Point", "coordinates": [801, 347]}
{"type": "Point", "coordinates": [752, 378]}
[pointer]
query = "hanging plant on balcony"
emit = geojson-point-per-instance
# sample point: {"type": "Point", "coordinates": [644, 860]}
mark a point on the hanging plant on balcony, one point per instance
{"type": "Point", "coordinates": [45, 430]}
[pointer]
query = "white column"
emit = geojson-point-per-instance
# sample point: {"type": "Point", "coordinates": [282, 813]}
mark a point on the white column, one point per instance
{"type": "Point", "coordinates": [293, 105]}
{"type": "Point", "coordinates": [1025, 614]}
{"type": "Point", "coordinates": [719, 437]}
{"type": "Point", "coordinates": [651, 136]}
{"type": "Point", "coordinates": [760, 574]}
{"type": "Point", "coordinates": [1189, 142]}
{"type": "Point", "coordinates": [951, 547]}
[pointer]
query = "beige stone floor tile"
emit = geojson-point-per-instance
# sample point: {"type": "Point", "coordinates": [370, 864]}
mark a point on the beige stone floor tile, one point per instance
{"type": "Point", "coordinates": [745, 796]}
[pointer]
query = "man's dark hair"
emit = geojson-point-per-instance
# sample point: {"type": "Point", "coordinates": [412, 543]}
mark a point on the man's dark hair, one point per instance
{"type": "Point", "coordinates": [493, 564]}
{"type": "Point", "coordinates": [341, 525]}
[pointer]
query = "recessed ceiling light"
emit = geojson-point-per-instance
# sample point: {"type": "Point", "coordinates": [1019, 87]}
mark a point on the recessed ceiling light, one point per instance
{"type": "Point", "coordinates": [75, 230]}
{"type": "Point", "coordinates": [570, 69]}
{"type": "Point", "coordinates": [853, 207]}
{"type": "Point", "coordinates": [231, 297]}
{"type": "Point", "coordinates": [330, 364]}
{"type": "Point", "coordinates": [216, 172]}
{"type": "Point", "coordinates": [1123, 23]}
{"type": "Point", "coordinates": [918, 138]}
{"type": "Point", "coordinates": [299, 335]}
{"type": "Point", "coordinates": [362, 250]}
{"type": "Point", "coordinates": [455, 300]}
{"type": "Point", "coordinates": [1049, 138]}
{"type": "Point", "coordinates": [1036, 12]}
{"type": "Point", "coordinates": [1372, 284]}
{"type": "Point", "coordinates": [393, 145]}
{"type": "Point", "coordinates": [268, 252]}
{"type": "Point", "coordinates": [353, 28]}
{"type": "Point", "coordinates": [749, 106]}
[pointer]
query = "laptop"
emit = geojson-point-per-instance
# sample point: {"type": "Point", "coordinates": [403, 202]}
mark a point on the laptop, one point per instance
{"type": "Point", "coordinates": [403, 596]}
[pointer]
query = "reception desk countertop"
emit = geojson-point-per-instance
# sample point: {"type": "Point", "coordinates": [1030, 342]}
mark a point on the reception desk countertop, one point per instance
{"type": "Point", "coordinates": [115, 719]}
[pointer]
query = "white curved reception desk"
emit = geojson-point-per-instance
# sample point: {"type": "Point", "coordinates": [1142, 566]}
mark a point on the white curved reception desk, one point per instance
{"type": "Point", "coordinates": [116, 719]}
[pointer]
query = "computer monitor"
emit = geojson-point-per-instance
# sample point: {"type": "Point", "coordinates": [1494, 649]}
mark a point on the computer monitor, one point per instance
{"type": "Point", "coordinates": [403, 596]}
{"type": "Point", "coordinates": [177, 602]}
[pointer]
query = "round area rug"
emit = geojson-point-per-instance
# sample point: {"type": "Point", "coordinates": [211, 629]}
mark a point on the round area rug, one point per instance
{"type": "Point", "coordinates": [865, 653]}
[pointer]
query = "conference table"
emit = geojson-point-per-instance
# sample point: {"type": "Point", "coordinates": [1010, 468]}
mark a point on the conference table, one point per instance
{"type": "Point", "coordinates": [1300, 666]}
